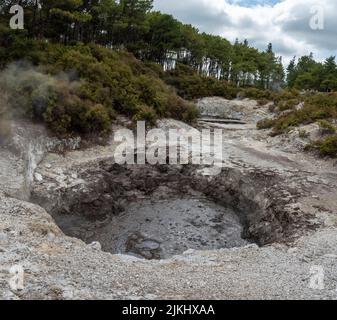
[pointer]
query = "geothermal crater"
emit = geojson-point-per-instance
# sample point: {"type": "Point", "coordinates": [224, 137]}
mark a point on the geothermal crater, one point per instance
{"type": "Point", "coordinates": [151, 212]}
{"type": "Point", "coordinates": [160, 227]}
{"type": "Point", "coordinates": [156, 212]}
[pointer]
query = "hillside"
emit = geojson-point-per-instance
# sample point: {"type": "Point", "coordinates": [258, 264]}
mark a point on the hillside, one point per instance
{"type": "Point", "coordinates": [80, 88]}
{"type": "Point", "coordinates": [90, 60]}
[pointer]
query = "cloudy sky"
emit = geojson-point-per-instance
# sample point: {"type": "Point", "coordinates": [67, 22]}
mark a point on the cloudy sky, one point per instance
{"type": "Point", "coordinates": [285, 23]}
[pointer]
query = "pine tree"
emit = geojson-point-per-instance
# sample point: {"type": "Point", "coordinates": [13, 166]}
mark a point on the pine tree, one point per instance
{"type": "Point", "coordinates": [291, 73]}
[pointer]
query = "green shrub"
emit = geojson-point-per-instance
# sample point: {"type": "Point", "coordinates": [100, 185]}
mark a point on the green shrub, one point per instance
{"type": "Point", "coordinates": [191, 85]}
{"type": "Point", "coordinates": [156, 68]}
{"type": "Point", "coordinates": [79, 88]}
{"type": "Point", "coordinates": [317, 107]}
{"type": "Point", "coordinates": [182, 110]}
{"type": "Point", "coordinates": [303, 134]}
{"type": "Point", "coordinates": [262, 102]}
{"type": "Point", "coordinates": [257, 94]}
{"type": "Point", "coordinates": [284, 105]}
{"type": "Point", "coordinates": [98, 119]}
{"type": "Point", "coordinates": [327, 126]}
{"type": "Point", "coordinates": [67, 112]}
{"type": "Point", "coordinates": [286, 95]}
{"type": "Point", "coordinates": [328, 147]}
{"type": "Point", "coordinates": [265, 124]}
{"type": "Point", "coordinates": [145, 113]}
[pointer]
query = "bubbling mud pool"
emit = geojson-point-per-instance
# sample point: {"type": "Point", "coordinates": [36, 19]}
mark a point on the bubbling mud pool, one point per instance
{"type": "Point", "coordinates": [158, 229]}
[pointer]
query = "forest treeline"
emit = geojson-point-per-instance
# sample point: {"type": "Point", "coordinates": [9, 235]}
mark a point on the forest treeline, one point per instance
{"type": "Point", "coordinates": [158, 37]}
{"type": "Point", "coordinates": [308, 74]}
{"type": "Point", "coordinates": [150, 36]}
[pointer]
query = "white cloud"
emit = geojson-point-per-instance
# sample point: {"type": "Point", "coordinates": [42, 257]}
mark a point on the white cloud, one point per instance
{"type": "Point", "coordinates": [285, 24]}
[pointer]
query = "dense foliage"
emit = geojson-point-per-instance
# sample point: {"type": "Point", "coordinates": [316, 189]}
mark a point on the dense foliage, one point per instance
{"type": "Point", "coordinates": [149, 35]}
{"type": "Point", "coordinates": [79, 88]}
{"type": "Point", "coordinates": [309, 74]}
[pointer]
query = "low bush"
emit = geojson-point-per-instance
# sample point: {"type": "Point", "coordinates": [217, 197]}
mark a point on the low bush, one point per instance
{"type": "Point", "coordinates": [285, 105]}
{"type": "Point", "coordinates": [257, 94]}
{"type": "Point", "coordinates": [79, 88]}
{"type": "Point", "coordinates": [182, 110]}
{"type": "Point", "coordinates": [286, 95]}
{"type": "Point", "coordinates": [262, 102]}
{"type": "Point", "coordinates": [327, 126]}
{"type": "Point", "coordinates": [265, 124]}
{"type": "Point", "coordinates": [145, 113]}
{"type": "Point", "coordinates": [328, 147]}
{"type": "Point", "coordinates": [303, 134]}
{"type": "Point", "coordinates": [191, 85]}
{"type": "Point", "coordinates": [317, 107]}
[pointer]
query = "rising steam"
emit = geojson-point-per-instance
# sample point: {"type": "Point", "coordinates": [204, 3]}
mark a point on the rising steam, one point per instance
{"type": "Point", "coordinates": [27, 91]}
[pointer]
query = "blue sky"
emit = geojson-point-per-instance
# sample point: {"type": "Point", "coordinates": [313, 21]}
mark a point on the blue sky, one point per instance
{"type": "Point", "coordinates": [285, 23]}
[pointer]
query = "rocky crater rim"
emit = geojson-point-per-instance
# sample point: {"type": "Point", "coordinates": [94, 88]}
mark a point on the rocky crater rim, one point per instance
{"type": "Point", "coordinates": [155, 212]}
{"type": "Point", "coordinates": [146, 210]}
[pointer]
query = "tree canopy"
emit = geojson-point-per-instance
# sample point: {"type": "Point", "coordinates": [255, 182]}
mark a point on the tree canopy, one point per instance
{"type": "Point", "coordinates": [309, 74]}
{"type": "Point", "coordinates": [160, 38]}
{"type": "Point", "coordinates": [149, 35]}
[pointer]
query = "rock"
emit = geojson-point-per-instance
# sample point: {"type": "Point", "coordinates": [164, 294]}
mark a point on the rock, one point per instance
{"type": "Point", "coordinates": [252, 246]}
{"type": "Point", "coordinates": [48, 165]}
{"type": "Point", "coordinates": [292, 250]}
{"type": "Point", "coordinates": [38, 177]}
{"type": "Point", "coordinates": [189, 252]}
{"type": "Point", "coordinates": [222, 108]}
{"type": "Point", "coordinates": [68, 293]}
{"type": "Point", "coordinates": [59, 171]}
{"type": "Point", "coordinates": [299, 106]}
{"type": "Point", "coordinates": [148, 245]}
{"type": "Point", "coordinates": [51, 236]}
{"type": "Point", "coordinates": [96, 246]}
{"type": "Point", "coordinates": [3, 238]}
{"type": "Point", "coordinates": [146, 254]}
